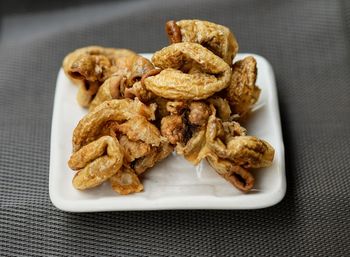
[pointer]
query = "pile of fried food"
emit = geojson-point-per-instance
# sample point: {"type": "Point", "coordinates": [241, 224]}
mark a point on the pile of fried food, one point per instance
{"type": "Point", "coordinates": [190, 99]}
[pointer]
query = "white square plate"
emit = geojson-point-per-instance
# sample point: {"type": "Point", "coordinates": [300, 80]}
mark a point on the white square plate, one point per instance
{"type": "Point", "coordinates": [173, 183]}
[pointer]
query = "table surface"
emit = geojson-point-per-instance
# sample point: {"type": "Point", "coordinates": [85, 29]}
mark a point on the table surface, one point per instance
{"type": "Point", "coordinates": [307, 43]}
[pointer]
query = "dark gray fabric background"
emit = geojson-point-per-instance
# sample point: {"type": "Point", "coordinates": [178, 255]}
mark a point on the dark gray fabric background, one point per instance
{"type": "Point", "coordinates": [307, 43]}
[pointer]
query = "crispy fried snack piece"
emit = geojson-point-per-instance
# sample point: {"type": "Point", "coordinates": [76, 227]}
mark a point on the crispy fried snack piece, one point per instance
{"type": "Point", "coordinates": [223, 109]}
{"type": "Point", "coordinates": [89, 67]}
{"type": "Point", "coordinates": [138, 90]}
{"type": "Point", "coordinates": [143, 144]}
{"type": "Point", "coordinates": [217, 38]}
{"type": "Point", "coordinates": [112, 88]}
{"type": "Point", "coordinates": [173, 128]}
{"type": "Point", "coordinates": [126, 83]}
{"type": "Point", "coordinates": [195, 148]}
{"type": "Point", "coordinates": [91, 125]}
{"type": "Point", "coordinates": [236, 175]}
{"type": "Point", "coordinates": [95, 139]}
{"type": "Point", "coordinates": [242, 92]}
{"type": "Point", "coordinates": [133, 149]}
{"type": "Point", "coordinates": [190, 72]}
{"type": "Point", "coordinates": [139, 128]}
{"type": "Point", "coordinates": [228, 150]}
{"type": "Point", "coordinates": [176, 107]}
{"type": "Point", "coordinates": [245, 151]}
{"type": "Point", "coordinates": [96, 162]}
{"type": "Point", "coordinates": [126, 181]}
{"type": "Point", "coordinates": [198, 113]}
{"type": "Point", "coordinates": [156, 155]}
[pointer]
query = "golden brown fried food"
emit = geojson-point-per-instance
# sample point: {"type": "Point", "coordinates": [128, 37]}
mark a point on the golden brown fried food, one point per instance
{"type": "Point", "coordinates": [195, 148]}
{"type": "Point", "coordinates": [89, 67]}
{"type": "Point", "coordinates": [90, 126]}
{"type": "Point", "coordinates": [228, 150]}
{"type": "Point", "coordinates": [198, 114]}
{"type": "Point", "coordinates": [190, 72]}
{"type": "Point", "coordinates": [126, 182]}
{"type": "Point", "coordinates": [173, 31]}
{"type": "Point", "coordinates": [95, 138]}
{"type": "Point", "coordinates": [138, 128]}
{"type": "Point", "coordinates": [161, 108]}
{"type": "Point", "coordinates": [176, 107]}
{"type": "Point", "coordinates": [217, 38]}
{"type": "Point", "coordinates": [246, 151]}
{"type": "Point", "coordinates": [222, 107]}
{"type": "Point", "coordinates": [96, 162]}
{"type": "Point", "coordinates": [233, 129]}
{"type": "Point", "coordinates": [156, 155]}
{"type": "Point", "coordinates": [192, 97]}
{"type": "Point", "coordinates": [112, 88]}
{"type": "Point", "coordinates": [133, 149]}
{"type": "Point", "coordinates": [236, 175]}
{"type": "Point", "coordinates": [173, 128]}
{"type": "Point", "coordinates": [242, 92]}
{"type": "Point", "coordinates": [138, 90]}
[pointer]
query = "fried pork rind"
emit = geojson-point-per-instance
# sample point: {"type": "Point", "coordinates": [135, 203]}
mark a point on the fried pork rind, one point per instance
{"type": "Point", "coordinates": [156, 155]}
{"type": "Point", "coordinates": [133, 149]}
{"type": "Point", "coordinates": [198, 113]}
{"type": "Point", "coordinates": [90, 126]}
{"type": "Point", "coordinates": [111, 89]}
{"type": "Point", "coordinates": [242, 150]}
{"type": "Point", "coordinates": [96, 162]}
{"type": "Point", "coordinates": [89, 67]}
{"type": "Point", "coordinates": [116, 133]}
{"type": "Point", "coordinates": [222, 107]}
{"type": "Point", "coordinates": [228, 150]}
{"type": "Point", "coordinates": [217, 38]}
{"type": "Point", "coordinates": [173, 128]}
{"type": "Point", "coordinates": [138, 90]}
{"type": "Point", "coordinates": [190, 72]}
{"type": "Point", "coordinates": [139, 128]}
{"type": "Point", "coordinates": [176, 107]}
{"type": "Point", "coordinates": [242, 92]}
{"type": "Point", "coordinates": [195, 148]}
{"type": "Point", "coordinates": [236, 175]}
{"type": "Point", "coordinates": [126, 182]}
{"type": "Point", "coordinates": [139, 113]}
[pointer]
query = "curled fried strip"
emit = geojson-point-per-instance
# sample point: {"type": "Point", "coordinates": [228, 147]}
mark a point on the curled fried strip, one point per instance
{"type": "Point", "coordinates": [242, 92]}
{"type": "Point", "coordinates": [138, 128]}
{"type": "Point", "coordinates": [198, 113]}
{"type": "Point", "coordinates": [156, 155]}
{"type": "Point", "coordinates": [222, 107]}
{"type": "Point", "coordinates": [138, 90]}
{"type": "Point", "coordinates": [89, 67]}
{"type": "Point", "coordinates": [110, 89]}
{"type": "Point", "coordinates": [96, 162]}
{"type": "Point", "coordinates": [207, 73]}
{"type": "Point", "coordinates": [217, 38]}
{"type": "Point", "coordinates": [126, 182]}
{"type": "Point", "coordinates": [87, 92]}
{"type": "Point", "coordinates": [247, 151]}
{"type": "Point", "coordinates": [90, 126]}
{"type": "Point", "coordinates": [195, 149]}
{"type": "Point", "coordinates": [176, 107]}
{"type": "Point", "coordinates": [149, 74]}
{"type": "Point", "coordinates": [236, 175]}
{"type": "Point", "coordinates": [173, 128]}
{"type": "Point", "coordinates": [133, 149]}
{"type": "Point", "coordinates": [228, 150]}
{"type": "Point", "coordinates": [173, 31]}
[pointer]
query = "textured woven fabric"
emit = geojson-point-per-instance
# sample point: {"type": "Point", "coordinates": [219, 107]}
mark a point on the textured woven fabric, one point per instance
{"type": "Point", "coordinates": [307, 43]}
